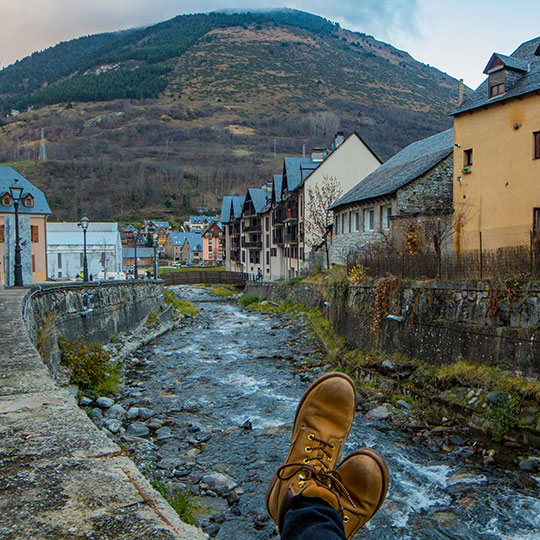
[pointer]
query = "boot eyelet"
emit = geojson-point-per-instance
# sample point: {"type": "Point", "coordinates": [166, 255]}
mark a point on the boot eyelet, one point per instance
{"type": "Point", "coordinates": [345, 519]}
{"type": "Point", "coordinates": [301, 484]}
{"type": "Point", "coordinates": [329, 458]}
{"type": "Point", "coordinates": [307, 449]}
{"type": "Point", "coordinates": [332, 446]}
{"type": "Point", "coordinates": [306, 460]}
{"type": "Point", "coordinates": [301, 476]}
{"type": "Point", "coordinates": [310, 437]}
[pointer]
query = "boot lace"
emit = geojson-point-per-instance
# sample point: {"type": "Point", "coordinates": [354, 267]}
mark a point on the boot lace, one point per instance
{"type": "Point", "coordinates": [327, 478]}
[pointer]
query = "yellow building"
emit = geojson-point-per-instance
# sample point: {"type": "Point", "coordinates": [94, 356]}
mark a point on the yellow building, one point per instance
{"type": "Point", "coordinates": [497, 154]}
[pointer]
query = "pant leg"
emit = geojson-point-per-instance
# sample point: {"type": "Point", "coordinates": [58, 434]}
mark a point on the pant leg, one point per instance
{"type": "Point", "coordinates": [309, 518]}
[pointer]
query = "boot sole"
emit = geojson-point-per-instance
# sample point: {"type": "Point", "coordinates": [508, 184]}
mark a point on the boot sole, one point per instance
{"type": "Point", "coordinates": [382, 466]}
{"type": "Point", "coordinates": [313, 385]}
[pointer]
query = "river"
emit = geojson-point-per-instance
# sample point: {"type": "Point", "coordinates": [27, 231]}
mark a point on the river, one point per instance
{"type": "Point", "coordinates": [204, 380]}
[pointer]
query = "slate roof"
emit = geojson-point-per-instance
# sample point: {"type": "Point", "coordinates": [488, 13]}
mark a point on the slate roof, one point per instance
{"type": "Point", "coordinates": [402, 168]}
{"type": "Point", "coordinates": [524, 82]}
{"type": "Point", "coordinates": [7, 177]}
{"type": "Point", "coordinates": [75, 238]}
{"type": "Point", "coordinates": [194, 240]}
{"type": "Point", "coordinates": [259, 198]}
{"type": "Point", "coordinates": [93, 226]}
{"type": "Point", "coordinates": [293, 168]}
{"type": "Point", "coordinates": [238, 204]}
{"type": "Point", "coordinates": [226, 207]}
{"type": "Point", "coordinates": [160, 224]}
{"type": "Point", "coordinates": [278, 182]}
{"type": "Point", "coordinates": [200, 220]}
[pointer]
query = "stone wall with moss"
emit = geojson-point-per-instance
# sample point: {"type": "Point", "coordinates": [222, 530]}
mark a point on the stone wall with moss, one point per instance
{"type": "Point", "coordinates": [93, 312]}
{"type": "Point", "coordinates": [494, 323]}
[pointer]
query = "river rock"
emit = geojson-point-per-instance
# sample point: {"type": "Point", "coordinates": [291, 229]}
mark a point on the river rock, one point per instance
{"type": "Point", "coordinates": [145, 413]}
{"type": "Point", "coordinates": [388, 365]}
{"type": "Point", "coordinates": [95, 414]}
{"type": "Point", "coordinates": [137, 429]}
{"type": "Point", "coordinates": [169, 463]}
{"type": "Point", "coordinates": [104, 402]}
{"type": "Point", "coordinates": [85, 401]}
{"type": "Point", "coordinates": [112, 424]}
{"type": "Point", "coordinates": [163, 433]}
{"type": "Point", "coordinates": [203, 437]}
{"type": "Point", "coordinates": [154, 424]}
{"type": "Point", "coordinates": [378, 413]}
{"type": "Point", "coordinates": [116, 411]}
{"type": "Point", "coordinates": [498, 398]}
{"type": "Point", "coordinates": [132, 413]}
{"type": "Point", "coordinates": [403, 404]}
{"type": "Point", "coordinates": [220, 483]}
{"type": "Point", "coordinates": [529, 464]}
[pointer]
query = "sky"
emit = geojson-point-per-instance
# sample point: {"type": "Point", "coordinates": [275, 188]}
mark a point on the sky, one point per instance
{"type": "Point", "coordinates": [456, 37]}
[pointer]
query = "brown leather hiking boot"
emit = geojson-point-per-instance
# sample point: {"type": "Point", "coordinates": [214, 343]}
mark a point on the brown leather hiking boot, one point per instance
{"type": "Point", "coordinates": [365, 476]}
{"type": "Point", "coordinates": [322, 423]}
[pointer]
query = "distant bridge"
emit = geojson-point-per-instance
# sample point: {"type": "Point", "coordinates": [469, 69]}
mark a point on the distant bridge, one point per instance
{"type": "Point", "coordinates": [211, 277]}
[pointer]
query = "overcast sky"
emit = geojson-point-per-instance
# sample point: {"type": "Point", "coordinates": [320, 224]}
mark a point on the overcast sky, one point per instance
{"type": "Point", "coordinates": [456, 37]}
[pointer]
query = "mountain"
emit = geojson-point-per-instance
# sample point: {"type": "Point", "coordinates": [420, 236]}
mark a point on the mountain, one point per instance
{"type": "Point", "coordinates": [158, 121]}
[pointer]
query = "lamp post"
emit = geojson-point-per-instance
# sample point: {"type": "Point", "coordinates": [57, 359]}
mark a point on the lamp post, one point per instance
{"type": "Point", "coordinates": [136, 239]}
{"type": "Point", "coordinates": [84, 226]}
{"type": "Point", "coordinates": [156, 256]}
{"type": "Point", "coordinates": [16, 194]}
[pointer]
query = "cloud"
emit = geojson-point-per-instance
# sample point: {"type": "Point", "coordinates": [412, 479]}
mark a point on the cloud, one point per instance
{"type": "Point", "coordinates": [30, 25]}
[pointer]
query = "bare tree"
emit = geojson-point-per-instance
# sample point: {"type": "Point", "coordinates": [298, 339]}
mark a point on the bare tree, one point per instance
{"type": "Point", "coordinates": [318, 212]}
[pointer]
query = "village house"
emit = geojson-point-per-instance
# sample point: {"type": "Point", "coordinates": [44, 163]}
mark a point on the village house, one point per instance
{"type": "Point", "coordinates": [231, 212]}
{"type": "Point", "coordinates": [199, 223]}
{"type": "Point", "coordinates": [151, 228]}
{"type": "Point", "coordinates": [497, 154]}
{"type": "Point", "coordinates": [413, 184]}
{"type": "Point", "coordinates": [184, 247]}
{"type": "Point", "coordinates": [129, 234]}
{"type": "Point", "coordinates": [212, 238]}
{"type": "Point", "coordinates": [65, 249]}
{"type": "Point", "coordinates": [145, 258]}
{"type": "Point", "coordinates": [33, 213]}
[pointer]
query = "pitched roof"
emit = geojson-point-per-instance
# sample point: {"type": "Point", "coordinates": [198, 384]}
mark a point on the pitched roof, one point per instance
{"type": "Point", "coordinates": [276, 191]}
{"type": "Point", "coordinates": [93, 226]}
{"type": "Point", "coordinates": [201, 220]}
{"type": "Point", "coordinates": [238, 204]}
{"type": "Point", "coordinates": [193, 239]}
{"type": "Point", "coordinates": [526, 67]}
{"type": "Point", "coordinates": [259, 198]}
{"type": "Point", "coordinates": [294, 171]}
{"type": "Point", "coordinates": [226, 208]}
{"type": "Point", "coordinates": [7, 177]}
{"type": "Point", "coordinates": [402, 168]}
{"type": "Point", "coordinates": [159, 224]}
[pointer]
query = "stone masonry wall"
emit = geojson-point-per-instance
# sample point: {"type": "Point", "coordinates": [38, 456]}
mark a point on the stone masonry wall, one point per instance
{"type": "Point", "coordinates": [437, 322]}
{"type": "Point", "coordinates": [94, 312]}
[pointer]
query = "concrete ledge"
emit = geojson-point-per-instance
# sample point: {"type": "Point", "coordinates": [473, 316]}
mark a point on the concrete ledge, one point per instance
{"type": "Point", "coordinates": [60, 477]}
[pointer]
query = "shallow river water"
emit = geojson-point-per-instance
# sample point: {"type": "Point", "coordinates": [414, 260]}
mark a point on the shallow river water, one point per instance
{"type": "Point", "coordinates": [204, 380]}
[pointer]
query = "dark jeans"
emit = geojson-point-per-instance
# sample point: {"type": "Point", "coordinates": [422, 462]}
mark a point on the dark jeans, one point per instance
{"type": "Point", "coordinates": [312, 519]}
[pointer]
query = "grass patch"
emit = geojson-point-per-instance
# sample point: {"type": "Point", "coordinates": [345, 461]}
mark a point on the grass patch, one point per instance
{"type": "Point", "coordinates": [183, 306]}
{"type": "Point", "coordinates": [224, 290]}
{"type": "Point", "coordinates": [184, 503]}
{"type": "Point", "coordinates": [504, 417]}
{"type": "Point", "coordinates": [294, 281]}
{"type": "Point", "coordinates": [152, 318]}
{"type": "Point", "coordinates": [91, 367]}
{"type": "Point", "coordinates": [247, 300]}
{"type": "Point", "coordinates": [488, 377]}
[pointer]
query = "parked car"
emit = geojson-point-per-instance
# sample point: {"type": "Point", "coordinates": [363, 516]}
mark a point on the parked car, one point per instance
{"type": "Point", "coordinates": [176, 264]}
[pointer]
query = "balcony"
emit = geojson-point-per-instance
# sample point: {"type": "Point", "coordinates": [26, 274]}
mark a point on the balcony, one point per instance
{"type": "Point", "coordinates": [253, 228]}
{"type": "Point", "coordinates": [278, 216]}
{"type": "Point", "coordinates": [291, 238]}
{"type": "Point", "coordinates": [250, 244]}
{"type": "Point", "coordinates": [277, 239]}
{"type": "Point", "coordinates": [291, 214]}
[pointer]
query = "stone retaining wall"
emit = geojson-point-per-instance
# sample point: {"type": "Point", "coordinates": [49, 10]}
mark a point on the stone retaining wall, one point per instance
{"type": "Point", "coordinates": [94, 312]}
{"type": "Point", "coordinates": [437, 322]}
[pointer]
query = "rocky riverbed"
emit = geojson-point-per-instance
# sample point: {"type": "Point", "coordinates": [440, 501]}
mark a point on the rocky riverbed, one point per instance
{"type": "Point", "coordinates": [208, 408]}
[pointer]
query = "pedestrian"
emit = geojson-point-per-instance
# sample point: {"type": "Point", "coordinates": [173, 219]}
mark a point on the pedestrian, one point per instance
{"type": "Point", "coordinates": [310, 497]}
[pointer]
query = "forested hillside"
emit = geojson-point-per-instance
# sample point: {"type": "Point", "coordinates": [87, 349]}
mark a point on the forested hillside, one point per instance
{"type": "Point", "coordinates": [162, 120]}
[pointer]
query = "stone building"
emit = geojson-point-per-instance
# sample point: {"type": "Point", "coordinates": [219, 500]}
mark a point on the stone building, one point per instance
{"type": "Point", "coordinates": [414, 184]}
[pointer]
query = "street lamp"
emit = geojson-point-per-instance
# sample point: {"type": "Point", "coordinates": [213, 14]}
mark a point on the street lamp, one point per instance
{"type": "Point", "coordinates": [83, 224]}
{"type": "Point", "coordinates": [156, 257]}
{"type": "Point", "coordinates": [16, 195]}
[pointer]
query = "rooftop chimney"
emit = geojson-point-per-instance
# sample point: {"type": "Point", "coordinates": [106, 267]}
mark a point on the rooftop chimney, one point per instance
{"type": "Point", "coordinates": [318, 154]}
{"type": "Point", "coordinates": [339, 137]}
{"type": "Point", "coordinates": [460, 92]}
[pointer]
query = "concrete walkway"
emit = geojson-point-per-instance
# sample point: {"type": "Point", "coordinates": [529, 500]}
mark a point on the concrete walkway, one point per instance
{"type": "Point", "coordinates": [60, 477]}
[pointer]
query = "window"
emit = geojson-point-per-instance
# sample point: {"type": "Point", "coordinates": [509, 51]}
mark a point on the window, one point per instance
{"type": "Point", "coordinates": [355, 218]}
{"type": "Point", "coordinates": [59, 260]}
{"type": "Point", "coordinates": [28, 201]}
{"type": "Point", "coordinates": [467, 157]}
{"type": "Point", "coordinates": [536, 219]}
{"type": "Point", "coordinates": [267, 223]}
{"type": "Point", "coordinates": [6, 200]}
{"type": "Point", "coordinates": [343, 223]}
{"type": "Point", "coordinates": [338, 220]}
{"type": "Point", "coordinates": [497, 83]}
{"type": "Point", "coordinates": [243, 256]}
{"type": "Point", "coordinates": [496, 90]}
{"type": "Point", "coordinates": [273, 252]}
{"type": "Point", "coordinates": [1, 233]}
{"type": "Point", "coordinates": [34, 233]}
{"type": "Point", "coordinates": [368, 220]}
{"type": "Point", "coordinates": [267, 257]}
{"type": "Point", "coordinates": [536, 141]}
{"type": "Point", "coordinates": [386, 212]}
{"type": "Point", "coordinates": [33, 263]}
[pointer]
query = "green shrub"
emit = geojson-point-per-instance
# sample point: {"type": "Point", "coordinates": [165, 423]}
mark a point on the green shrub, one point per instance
{"type": "Point", "coordinates": [183, 306]}
{"type": "Point", "coordinates": [91, 366]}
{"type": "Point", "coordinates": [224, 290]}
{"type": "Point", "coordinates": [184, 503]}
{"type": "Point", "coordinates": [294, 281]}
{"type": "Point", "coordinates": [504, 417]}
{"type": "Point", "coordinates": [247, 299]}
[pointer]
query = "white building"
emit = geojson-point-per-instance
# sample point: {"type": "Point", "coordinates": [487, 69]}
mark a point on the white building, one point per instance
{"type": "Point", "coordinates": [65, 249]}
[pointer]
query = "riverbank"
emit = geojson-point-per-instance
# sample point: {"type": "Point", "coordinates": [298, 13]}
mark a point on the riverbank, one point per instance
{"type": "Point", "coordinates": [60, 476]}
{"type": "Point", "coordinates": [219, 394]}
{"type": "Point", "coordinates": [500, 409]}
